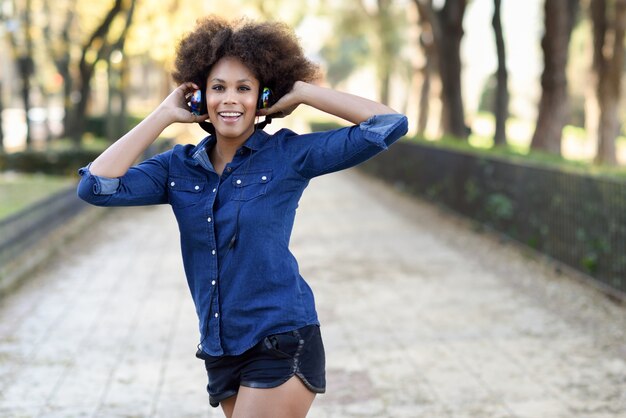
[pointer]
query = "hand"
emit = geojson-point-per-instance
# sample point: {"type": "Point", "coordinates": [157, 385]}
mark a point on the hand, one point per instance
{"type": "Point", "coordinates": [176, 104]}
{"type": "Point", "coordinates": [288, 103]}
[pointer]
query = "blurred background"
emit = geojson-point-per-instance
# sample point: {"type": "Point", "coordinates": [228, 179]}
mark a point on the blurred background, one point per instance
{"type": "Point", "coordinates": [539, 80]}
{"type": "Point", "coordinates": [516, 129]}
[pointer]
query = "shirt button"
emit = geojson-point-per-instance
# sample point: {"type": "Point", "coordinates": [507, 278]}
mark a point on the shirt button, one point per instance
{"type": "Point", "coordinates": [208, 219]}
{"type": "Point", "coordinates": [214, 190]}
{"type": "Point", "coordinates": [213, 283]}
{"type": "Point", "coordinates": [229, 169]}
{"type": "Point", "coordinates": [173, 184]}
{"type": "Point", "coordinates": [213, 252]}
{"type": "Point", "coordinates": [264, 178]}
{"type": "Point", "coordinates": [238, 182]}
{"type": "Point", "coordinates": [216, 314]}
{"type": "Point", "coordinates": [197, 187]}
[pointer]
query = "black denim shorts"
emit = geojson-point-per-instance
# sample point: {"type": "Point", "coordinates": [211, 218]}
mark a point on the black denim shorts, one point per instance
{"type": "Point", "coordinates": [270, 363]}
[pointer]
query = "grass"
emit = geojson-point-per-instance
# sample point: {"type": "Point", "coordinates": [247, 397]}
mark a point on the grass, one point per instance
{"type": "Point", "coordinates": [18, 191]}
{"type": "Point", "coordinates": [480, 143]}
{"type": "Point", "coordinates": [522, 155]}
{"type": "Point", "coordinates": [89, 143]}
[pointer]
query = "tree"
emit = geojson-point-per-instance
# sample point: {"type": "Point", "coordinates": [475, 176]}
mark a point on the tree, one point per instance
{"type": "Point", "coordinates": [609, 22]}
{"type": "Point", "coordinates": [560, 16]}
{"type": "Point", "coordinates": [1, 109]}
{"type": "Point", "coordinates": [21, 42]}
{"type": "Point", "coordinates": [367, 32]}
{"type": "Point", "coordinates": [429, 50]}
{"type": "Point", "coordinates": [118, 82]}
{"type": "Point", "coordinates": [280, 10]}
{"type": "Point", "coordinates": [388, 39]}
{"type": "Point", "coordinates": [98, 47]}
{"type": "Point", "coordinates": [5, 15]}
{"type": "Point", "coordinates": [501, 103]}
{"type": "Point", "coordinates": [447, 29]}
{"type": "Point", "coordinates": [58, 46]}
{"type": "Point", "coordinates": [343, 54]}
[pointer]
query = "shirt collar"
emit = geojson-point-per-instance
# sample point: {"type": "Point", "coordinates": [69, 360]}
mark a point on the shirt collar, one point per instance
{"type": "Point", "coordinates": [256, 140]}
{"type": "Point", "coordinates": [199, 152]}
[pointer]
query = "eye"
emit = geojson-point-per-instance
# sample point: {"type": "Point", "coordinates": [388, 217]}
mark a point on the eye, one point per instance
{"type": "Point", "coordinates": [217, 87]}
{"type": "Point", "coordinates": [244, 88]}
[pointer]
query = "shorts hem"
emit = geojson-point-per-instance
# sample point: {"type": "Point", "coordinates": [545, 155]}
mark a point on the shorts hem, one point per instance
{"type": "Point", "coordinates": [309, 386]}
{"type": "Point", "coordinates": [266, 385]}
{"type": "Point", "coordinates": [215, 400]}
{"type": "Point", "coordinates": [276, 383]}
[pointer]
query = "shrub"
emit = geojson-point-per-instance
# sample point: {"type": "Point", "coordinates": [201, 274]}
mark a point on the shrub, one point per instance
{"type": "Point", "coordinates": [64, 162]}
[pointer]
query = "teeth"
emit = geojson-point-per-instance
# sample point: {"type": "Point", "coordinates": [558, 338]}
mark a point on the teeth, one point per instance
{"type": "Point", "coordinates": [230, 114]}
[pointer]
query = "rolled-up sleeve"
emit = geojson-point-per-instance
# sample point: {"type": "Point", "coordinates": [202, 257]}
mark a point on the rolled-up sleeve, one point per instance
{"type": "Point", "coordinates": [100, 185]}
{"type": "Point", "coordinates": [320, 153]}
{"type": "Point", "coordinates": [143, 184]}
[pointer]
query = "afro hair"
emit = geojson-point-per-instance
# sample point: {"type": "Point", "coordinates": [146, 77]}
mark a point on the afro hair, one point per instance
{"type": "Point", "coordinates": [269, 49]}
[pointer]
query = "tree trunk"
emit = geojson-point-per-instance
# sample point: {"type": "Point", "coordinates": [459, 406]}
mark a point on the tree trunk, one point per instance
{"type": "Point", "coordinates": [112, 102]}
{"type": "Point", "coordinates": [102, 46]}
{"type": "Point", "coordinates": [501, 105]}
{"type": "Point", "coordinates": [60, 55]}
{"type": "Point", "coordinates": [424, 101]}
{"type": "Point", "coordinates": [447, 30]}
{"type": "Point", "coordinates": [122, 125]}
{"type": "Point", "coordinates": [553, 106]}
{"type": "Point", "coordinates": [1, 110]}
{"type": "Point", "coordinates": [68, 87]}
{"type": "Point", "coordinates": [608, 62]}
{"type": "Point", "coordinates": [23, 55]}
{"type": "Point", "coordinates": [384, 77]}
{"type": "Point", "coordinates": [450, 19]}
{"type": "Point", "coordinates": [116, 118]}
{"type": "Point", "coordinates": [385, 23]}
{"type": "Point", "coordinates": [25, 66]}
{"type": "Point", "coordinates": [429, 49]}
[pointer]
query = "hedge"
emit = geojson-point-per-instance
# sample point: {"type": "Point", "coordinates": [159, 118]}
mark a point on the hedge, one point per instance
{"type": "Point", "coordinates": [576, 218]}
{"type": "Point", "coordinates": [64, 163]}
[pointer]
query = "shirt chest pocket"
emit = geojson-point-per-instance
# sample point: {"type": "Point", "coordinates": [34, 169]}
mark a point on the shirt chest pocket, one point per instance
{"type": "Point", "coordinates": [250, 185]}
{"type": "Point", "coordinates": [184, 191]}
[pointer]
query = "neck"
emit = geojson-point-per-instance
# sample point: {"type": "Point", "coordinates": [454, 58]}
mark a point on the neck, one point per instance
{"type": "Point", "coordinates": [225, 150]}
{"type": "Point", "coordinates": [226, 147]}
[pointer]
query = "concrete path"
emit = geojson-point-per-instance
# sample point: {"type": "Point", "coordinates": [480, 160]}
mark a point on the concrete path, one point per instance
{"type": "Point", "coordinates": [421, 317]}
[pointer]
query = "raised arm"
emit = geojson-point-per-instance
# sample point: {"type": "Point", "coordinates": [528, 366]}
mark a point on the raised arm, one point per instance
{"type": "Point", "coordinates": [347, 106]}
{"type": "Point", "coordinates": [121, 155]}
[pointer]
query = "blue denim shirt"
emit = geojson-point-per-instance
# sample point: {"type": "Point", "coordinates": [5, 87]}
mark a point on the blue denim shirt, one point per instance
{"type": "Point", "coordinates": [235, 228]}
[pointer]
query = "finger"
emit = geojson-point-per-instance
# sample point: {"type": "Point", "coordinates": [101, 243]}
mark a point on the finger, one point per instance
{"type": "Point", "coordinates": [273, 111]}
{"type": "Point", "coordinates": [279, 114]}
{"type": "Point", "coordinates": [192, 85]}
{"type": "Point", "coordinates": [200, 118]}
{"type": "Point", "coordinates": [261, 112]}
{"type": "Point", "coordinates": [188, 87]}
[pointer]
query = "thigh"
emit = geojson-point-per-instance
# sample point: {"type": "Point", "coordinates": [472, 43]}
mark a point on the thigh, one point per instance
{"type": "Point", "coordinates": [290, 400]}
{"type": "Point", "coordinates": [228, 405]}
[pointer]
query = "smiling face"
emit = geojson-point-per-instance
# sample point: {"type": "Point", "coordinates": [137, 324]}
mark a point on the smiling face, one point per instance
{"type": "Point", "coordinates": [231, 96]}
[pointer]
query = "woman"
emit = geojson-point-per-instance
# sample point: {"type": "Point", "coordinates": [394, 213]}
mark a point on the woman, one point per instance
{"type": "Point", "coordinates": [234, 196]}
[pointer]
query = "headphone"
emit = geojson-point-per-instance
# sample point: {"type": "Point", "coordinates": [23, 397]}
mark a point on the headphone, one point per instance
{"type": "Point", "coordinates": [198, 106]}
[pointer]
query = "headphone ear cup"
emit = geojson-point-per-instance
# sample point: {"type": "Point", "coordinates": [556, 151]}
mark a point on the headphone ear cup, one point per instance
{"type": "Point", "coordinates": [203, 106]}
{"type": "Point", "coordinates": [265, 98]}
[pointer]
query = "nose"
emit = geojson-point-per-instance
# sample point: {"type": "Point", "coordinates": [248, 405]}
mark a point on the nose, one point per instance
{"type": "Point", "coordinates": [229, 96]}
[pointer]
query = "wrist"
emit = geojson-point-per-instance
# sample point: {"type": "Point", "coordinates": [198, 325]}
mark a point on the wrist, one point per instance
{"type": "Point", "coordinates": [305, 91]}
{"type": "Point", "coordinates": [162, 116]}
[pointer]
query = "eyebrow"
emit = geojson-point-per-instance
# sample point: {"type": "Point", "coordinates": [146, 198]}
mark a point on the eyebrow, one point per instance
{"type": "Point", "coordinates": [219, 80]}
